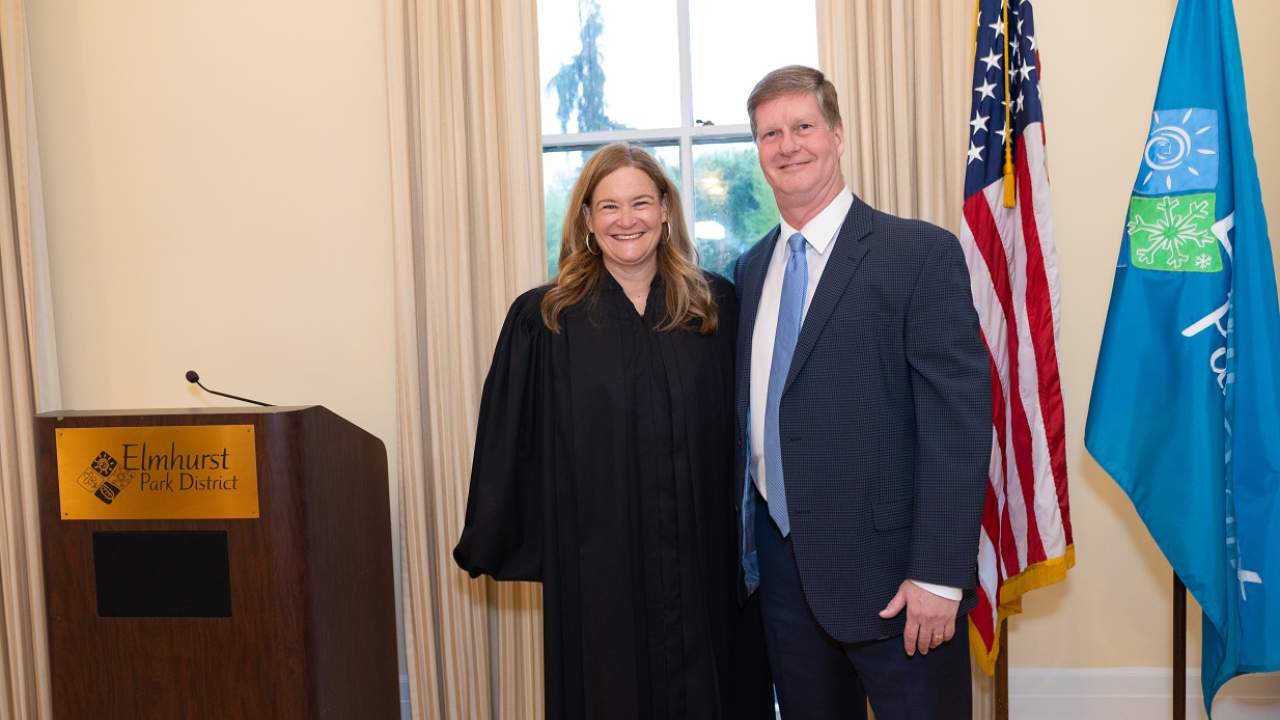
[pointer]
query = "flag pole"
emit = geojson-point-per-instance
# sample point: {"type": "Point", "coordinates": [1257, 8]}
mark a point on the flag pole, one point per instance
{"type": "Point", "coordinates": [1002, 674]}
{"type": "Point", "coordinates": [1179, 649]}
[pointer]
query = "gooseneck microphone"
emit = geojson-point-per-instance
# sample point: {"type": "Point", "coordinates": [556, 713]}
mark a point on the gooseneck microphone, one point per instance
{"type": "Point", "coordinates": [194, 378]}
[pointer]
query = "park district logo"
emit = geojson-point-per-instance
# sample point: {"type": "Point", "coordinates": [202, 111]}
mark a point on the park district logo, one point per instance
{"type": "Point", "coordinates": [1171, 224]}
{"type": "Point", "coordinates": [161, 472]}
{"type": "Point", "coordinates": [102, 479]}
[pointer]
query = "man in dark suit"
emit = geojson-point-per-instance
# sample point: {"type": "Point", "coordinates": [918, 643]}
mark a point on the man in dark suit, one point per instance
{"type": "Point", "coordinates": [864, 420]}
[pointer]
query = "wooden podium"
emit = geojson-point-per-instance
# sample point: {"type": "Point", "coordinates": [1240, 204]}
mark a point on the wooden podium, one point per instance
{"type": "Point", "coordinates": [176, 589]}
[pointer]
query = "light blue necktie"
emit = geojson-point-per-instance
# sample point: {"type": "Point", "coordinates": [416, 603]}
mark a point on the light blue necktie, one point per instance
{"type": "Point", "coordinates": [790, 315]}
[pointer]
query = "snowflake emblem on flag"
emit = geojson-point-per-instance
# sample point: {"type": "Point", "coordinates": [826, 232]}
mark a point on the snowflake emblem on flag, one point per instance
{"type": "Point", "coordinates": [1174, 233]}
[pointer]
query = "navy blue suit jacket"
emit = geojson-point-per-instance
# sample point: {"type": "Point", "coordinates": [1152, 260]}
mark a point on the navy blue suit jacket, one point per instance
{"type": "Point", "coordinates": [885, 421]}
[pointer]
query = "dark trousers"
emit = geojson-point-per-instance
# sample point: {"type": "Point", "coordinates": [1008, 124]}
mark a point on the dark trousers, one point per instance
{"type": "Point", "coordinates": [819, 678]}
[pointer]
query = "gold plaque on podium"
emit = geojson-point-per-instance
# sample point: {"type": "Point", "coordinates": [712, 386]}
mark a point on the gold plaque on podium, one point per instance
{"type": "Point", "coordinates": [187, 472]}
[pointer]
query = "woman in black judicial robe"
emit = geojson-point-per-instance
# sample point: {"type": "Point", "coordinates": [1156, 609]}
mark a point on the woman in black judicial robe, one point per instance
{"type": "Point", "coordinates": [603, 464]}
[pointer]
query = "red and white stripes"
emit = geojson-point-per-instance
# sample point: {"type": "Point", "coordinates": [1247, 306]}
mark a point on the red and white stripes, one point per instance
{"type": "Point", "coordinates": [1026, 528]}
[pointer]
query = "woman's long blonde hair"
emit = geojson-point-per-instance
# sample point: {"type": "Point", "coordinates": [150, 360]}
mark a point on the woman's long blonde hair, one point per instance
{"type": "Point", "coordinates": [689, 304]}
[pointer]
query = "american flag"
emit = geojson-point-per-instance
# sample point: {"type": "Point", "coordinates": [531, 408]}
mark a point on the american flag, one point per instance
{"type": "Point", "coordinates": [1026, 527]}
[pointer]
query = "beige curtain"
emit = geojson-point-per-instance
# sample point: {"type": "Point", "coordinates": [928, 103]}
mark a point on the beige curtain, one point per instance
{"type": "Point", "coordinates": [902, 71]}
{"type": "Point", "coordinates": [901, 68]}
{"type": "Point", "coordinates": [463, 79]}
{"type": "Point", "coordinates": [28, 381]}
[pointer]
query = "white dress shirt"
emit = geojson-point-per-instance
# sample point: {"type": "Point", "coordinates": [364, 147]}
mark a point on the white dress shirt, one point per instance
{"type": "Point", "coordinates": [820, 236]}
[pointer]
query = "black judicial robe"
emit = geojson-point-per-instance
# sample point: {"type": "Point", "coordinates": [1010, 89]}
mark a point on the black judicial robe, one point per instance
{"type": "Point", "coordinates": [603, 469]}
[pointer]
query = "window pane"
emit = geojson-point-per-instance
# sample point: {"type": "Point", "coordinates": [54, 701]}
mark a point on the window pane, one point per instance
{"type": "Point", "coordinates": [733, 206]}
{"type": "Point", "coordinates": [560, 170]}
{"type": "Point", "coordinates": [733, 43]}
{"type": "Point", "coordinates": [608, 65]}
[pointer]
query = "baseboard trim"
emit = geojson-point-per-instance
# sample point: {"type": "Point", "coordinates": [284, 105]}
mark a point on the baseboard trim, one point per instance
{"type": "Point", "coordinates": [1134, 693]}
{"type": "Point", "coordinates": [1124, 693]}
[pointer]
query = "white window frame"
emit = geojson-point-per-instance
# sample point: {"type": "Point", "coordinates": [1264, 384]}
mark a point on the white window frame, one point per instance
{"type": "Point", "coordinates": [690, 132]}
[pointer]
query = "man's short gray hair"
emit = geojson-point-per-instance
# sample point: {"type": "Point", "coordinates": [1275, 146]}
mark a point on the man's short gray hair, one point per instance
{"type": "Point", "coordinates": [795, 79]}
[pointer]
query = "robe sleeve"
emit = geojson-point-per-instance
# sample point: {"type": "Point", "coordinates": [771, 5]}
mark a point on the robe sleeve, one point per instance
{"type": "Point", "coordinates": [503, 532]}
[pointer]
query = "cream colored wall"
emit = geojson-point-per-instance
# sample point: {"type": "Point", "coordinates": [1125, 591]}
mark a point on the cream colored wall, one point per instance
{"type": "Point", "coordinates": [1101, 61]}
{"type": "Point", "coordinates": [217, 184]}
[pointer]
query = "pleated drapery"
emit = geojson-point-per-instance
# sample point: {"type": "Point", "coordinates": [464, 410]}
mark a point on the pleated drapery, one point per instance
{"type": "Point", "coordinates": [901, 69]}
{"type": "Point", "coordinates": [28, 381]}
{"type": "Point", "coordinates": [466, 156]}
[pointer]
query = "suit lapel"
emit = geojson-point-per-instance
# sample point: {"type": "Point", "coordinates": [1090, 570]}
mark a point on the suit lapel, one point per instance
{"type": "Point", "coordinates": [847, 254]}
{"type": "Point", "coordinates": [757, 264]}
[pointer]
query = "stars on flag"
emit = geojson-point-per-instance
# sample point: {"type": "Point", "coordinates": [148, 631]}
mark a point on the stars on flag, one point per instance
{"type": "Point", "coordinates": [975, 153]}
{"type": "Point", "coordinates": [1006, 83]}
{"type": "Point", "coordinates": [992, 59]}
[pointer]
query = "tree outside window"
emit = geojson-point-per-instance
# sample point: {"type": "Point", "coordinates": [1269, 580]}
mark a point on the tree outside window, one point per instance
{"type": "Point", "coordinates": [674, 78]}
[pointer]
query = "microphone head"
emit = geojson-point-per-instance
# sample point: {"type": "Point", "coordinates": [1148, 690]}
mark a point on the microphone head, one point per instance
{"type": "Point", "coordinates": [193, 376]}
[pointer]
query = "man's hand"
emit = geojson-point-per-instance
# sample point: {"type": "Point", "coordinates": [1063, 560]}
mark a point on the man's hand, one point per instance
{"type": "Point", "coordinates": [931, 619]}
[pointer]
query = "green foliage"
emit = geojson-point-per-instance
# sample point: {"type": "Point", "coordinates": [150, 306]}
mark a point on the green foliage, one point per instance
{"type": "Point", "coordinates": [732, 191]}
{"type": "Point", "coordinates": [557, 196]}
{"type": "Point", "coordinates": [579, 84]}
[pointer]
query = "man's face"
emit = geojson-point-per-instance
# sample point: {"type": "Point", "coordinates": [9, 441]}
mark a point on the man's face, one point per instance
{"type": "Point", "coordinates": [799, 154]}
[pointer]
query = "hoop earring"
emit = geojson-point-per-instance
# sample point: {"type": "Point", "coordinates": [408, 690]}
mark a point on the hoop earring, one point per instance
{"type": "Point", "coordinates": [666, 233]}
{"type": "Point", "coordinates": [588, 243]}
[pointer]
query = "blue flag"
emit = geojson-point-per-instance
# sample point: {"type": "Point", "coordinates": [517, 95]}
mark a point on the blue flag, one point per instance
{"type": "Point", "coordinates": [1185, 411]}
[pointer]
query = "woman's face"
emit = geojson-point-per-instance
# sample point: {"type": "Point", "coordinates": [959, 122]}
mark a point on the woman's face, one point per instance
{"type": "Point", "coordinates": [626, 214]}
